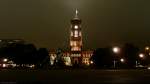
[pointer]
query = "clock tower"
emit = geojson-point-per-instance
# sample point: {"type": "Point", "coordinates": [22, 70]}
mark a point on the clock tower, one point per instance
{"type": "Point", "coordinates": [76, 39]}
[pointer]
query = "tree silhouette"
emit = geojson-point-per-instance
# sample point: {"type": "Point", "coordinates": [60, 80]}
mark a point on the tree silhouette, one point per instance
{"type": "Point", "coordinates": [42, 58]}
{"type": "Point", "coordinates": [102, 58]}
{"type": "Point", "coordinates": [131, 54]}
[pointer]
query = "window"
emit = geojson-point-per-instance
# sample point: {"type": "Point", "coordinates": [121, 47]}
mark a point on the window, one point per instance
{"type": "Point", "coordinates": [75, 33]}
{"type": "Point", "coordinates": [80, 34]}
{"type": "Point", "coordinates": [73, 43]}
{"type": "Point", "coordinates": [71, 33]}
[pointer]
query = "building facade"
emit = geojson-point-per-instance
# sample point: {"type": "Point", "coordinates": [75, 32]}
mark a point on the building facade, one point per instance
{"type": "Point", "coordinates": [75, 55]}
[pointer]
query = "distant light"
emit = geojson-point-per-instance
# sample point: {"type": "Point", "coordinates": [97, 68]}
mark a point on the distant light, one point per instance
{"type": "Point", "coordinates": [4, 65]}
{"type": "Point", "coordinates": [5, 60]}
{"type": "Point", "coordinates": [147, 48]}
{"type": "Point", "coordinates": [141, 55]}
{"type": "Point", "coordinates": [122, 60]}
{"type": "Point", "coordinates": [14, 65]}
{"type": "Point", "coordinates": [10, 42]}
{"type": "Point", "coordinates": [116, 49]}
{"type": "Point", "coordinates": [76, 26]}
{"type": "Point", "coordinates": [92, 62]}
{"type": "Point", "coordinates": [32, 66]}
{"type": "Point", "coordinates": [148, 68]}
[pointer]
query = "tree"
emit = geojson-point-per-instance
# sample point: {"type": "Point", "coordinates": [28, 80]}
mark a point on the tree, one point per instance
{"type": "Point", "coordinates": [19, 53]}
{"type": "Point", "coordinates": [131, 54]}
{"type": "Point", "coordinates": [42, 58]}
{"type": "Point", "coordinates": [30, 53]}
{"type": "Point", "coordinates": [102, 58]}
{"type": "Point", "coordinates": [59, 61]}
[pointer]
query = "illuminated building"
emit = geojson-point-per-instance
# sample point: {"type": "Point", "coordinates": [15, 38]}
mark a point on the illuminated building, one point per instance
{"type": "Point", "coordinates": [75, 54]}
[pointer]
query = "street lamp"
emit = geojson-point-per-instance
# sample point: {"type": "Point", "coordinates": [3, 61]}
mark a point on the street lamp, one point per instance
{"type": "Point", "coordinates": [116, 50]}
{"type": "Point", "coordinates": [141, 55]}
{"type": "Point", "coordinates": [5, 60]}
{"type": "Point", "coordinates": [91, 62]}
{"type": "Point", "coordinates": [4, 65]}
{"type": "Point", "coordinates": [147, 48]}
{"type": "Point", "coordinates": [122, 60]}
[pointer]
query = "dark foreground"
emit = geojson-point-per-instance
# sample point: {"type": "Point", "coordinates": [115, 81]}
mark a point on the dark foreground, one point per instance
{"type": "Point", "coordinates": [75, 76]}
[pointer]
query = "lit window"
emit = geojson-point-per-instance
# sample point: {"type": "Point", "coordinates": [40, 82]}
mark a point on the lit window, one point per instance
{"type": "Point", "coordinates": [71, 33]}
{"type": "Point", "coordinates": [75, 33]}
{"type": "Point", "coordinates": [75, 48]}
{"type": "Point", "coordinates": [71, 43]}
{"type": "Point", "coordinates": [75, 44]}
{"type": "Point", "coordinates": [80, 34]}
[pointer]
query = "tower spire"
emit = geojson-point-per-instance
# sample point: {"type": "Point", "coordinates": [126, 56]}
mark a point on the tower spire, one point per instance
{"type": "Point", "coordinates": [76, 15]}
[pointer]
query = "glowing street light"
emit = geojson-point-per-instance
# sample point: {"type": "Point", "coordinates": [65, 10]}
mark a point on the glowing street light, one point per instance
{"type": "Point", "coordinates": [141, 55]}
{"type": "Point", "coordinates": [4, 65]}
{"type": "Point", "coordinates": [147, 48]}
{"type": "Point", "coordinates": [91, 62]}
{"type": "Point", "coordinates": [116, 49]}
{"type": "Point", "coordinates": [5, 60]}
{"type": "Point", "coordinates": [122, 60]}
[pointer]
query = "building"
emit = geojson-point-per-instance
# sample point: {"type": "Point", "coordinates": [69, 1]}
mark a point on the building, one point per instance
{"type": "Point", "coordinates": [75, 55]}
{"type": "Point", "coordinates": [53, 56]}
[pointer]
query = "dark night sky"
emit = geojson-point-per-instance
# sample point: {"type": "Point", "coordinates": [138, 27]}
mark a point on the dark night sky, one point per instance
{"type": "Point", "coordinates": [46, 23]}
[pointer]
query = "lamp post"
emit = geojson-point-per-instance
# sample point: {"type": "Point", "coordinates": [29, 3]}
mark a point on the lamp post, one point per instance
{"type": "Point", "coordinates": [114, 63]}
{"type": "Point", "coordinates": [136, 62]}
{"type": "Point", "coordinates": [5, 60]}
{"type": "Point", "coordinates": [122, 60]}
{"type": "Point", "coordinates": [116, 50]}
{"type": "Point", "coordinates": [147, 50]}
{"type": "Point", "coordinates": [141, 56]}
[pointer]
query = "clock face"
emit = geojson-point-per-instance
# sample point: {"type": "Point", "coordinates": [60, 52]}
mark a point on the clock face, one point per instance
{"type": "Point", "coordinates": [76, 26]}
